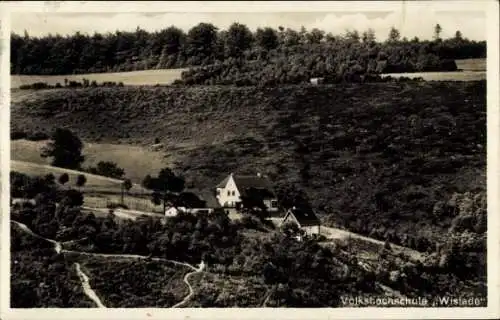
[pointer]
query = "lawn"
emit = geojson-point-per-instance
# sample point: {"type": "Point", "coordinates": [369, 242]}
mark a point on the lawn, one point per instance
{"type": "Point", "coordinates": [443, 76]}
{"type": "Point", "coordinates": [145, 77]}
{"type": "Point", "coordinates": [472, 70]}
{"type": "Point", "coordinates": [137, 161]}
{"type": "Point", "coordinates": [98, 191]}
{"type": "Point", "coordinates": [471, 64]}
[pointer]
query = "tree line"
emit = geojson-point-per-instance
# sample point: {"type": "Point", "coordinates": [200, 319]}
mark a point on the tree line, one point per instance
{"type": "Point", "coordinates": [314, 51]}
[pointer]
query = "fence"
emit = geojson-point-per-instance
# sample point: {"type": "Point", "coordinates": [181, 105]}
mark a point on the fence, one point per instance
{"type": "Point", "coordinates": [133, 203]}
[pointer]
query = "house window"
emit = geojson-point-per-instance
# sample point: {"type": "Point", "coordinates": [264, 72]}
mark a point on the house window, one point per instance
{"type": "Point", "coordinates": [228, 193]}
{"type": "Point", "coordinates": [234, 192]}
{"type": "Point", "coordinates": [274, 204]}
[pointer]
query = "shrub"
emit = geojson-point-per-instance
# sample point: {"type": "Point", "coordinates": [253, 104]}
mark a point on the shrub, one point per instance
{"type": "Point", "coordinates": [37, 136]}
{"type": "Point", "coordinates": [108, 169]}
{"type": "Point", "coordinates": [72, 198]}
{"type": "Point", "coordinates": [35, 86]}
{"type": "Point", "coordinates": [17, 134]}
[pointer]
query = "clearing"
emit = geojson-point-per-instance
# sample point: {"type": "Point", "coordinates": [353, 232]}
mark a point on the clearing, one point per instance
{"type": "Point", "coordinates": [472, 70]}
{"type": "Point", "coordinates": [98, 191]}
{"type": "Point", "coordinates": [137, 161]}
{"type": "Point", "coordinates": [144, 77]}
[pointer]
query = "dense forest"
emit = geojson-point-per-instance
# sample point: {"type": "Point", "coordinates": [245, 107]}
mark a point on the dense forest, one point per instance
{"type": "Point", "coordinates": [239, 56]}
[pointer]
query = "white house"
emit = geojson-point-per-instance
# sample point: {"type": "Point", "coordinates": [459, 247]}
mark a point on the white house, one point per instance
{"type": "Point", "coordinates": [174, 211]}
{"type": "Point", "coordinates": [230, 190]}
{"type": "Point", "coordinates": [21, 201]}
{"type": "Point", "coordinates": [305, 219]}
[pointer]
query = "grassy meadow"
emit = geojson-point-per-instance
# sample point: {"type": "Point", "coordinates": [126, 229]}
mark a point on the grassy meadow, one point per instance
{"type": "Point", "coordinates": [143, 77]}
{"type": "Point", "coordinates": [137, 161]}
{"type": "Point", "coordinates": [471, 70]}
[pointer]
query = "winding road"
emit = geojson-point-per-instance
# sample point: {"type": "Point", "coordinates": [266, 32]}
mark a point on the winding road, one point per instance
{"type": "Point", "coordinates": [85, 279]}
{"type": "Point", "coordinates": [87, 288]}
{"type": "Point", "coordinates": [191, 292]}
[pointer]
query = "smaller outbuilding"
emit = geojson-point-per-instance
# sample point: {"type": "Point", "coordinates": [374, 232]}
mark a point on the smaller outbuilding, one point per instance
{"type": "Point", "coordinates": [305, 219]}
{"type": "Point", "coordinates": [317, 81]}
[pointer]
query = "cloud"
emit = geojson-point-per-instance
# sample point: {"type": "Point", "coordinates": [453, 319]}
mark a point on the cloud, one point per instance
{"type": "Point", "coordinates": [415, 23]}
{"type": "Point", "coordinates": [411, 21]}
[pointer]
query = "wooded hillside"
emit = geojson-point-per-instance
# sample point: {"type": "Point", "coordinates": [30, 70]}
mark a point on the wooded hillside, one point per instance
{"type": "Point", "coordinates": [239, 56]}
{"type": "Point", "coordinates": [375, 158]}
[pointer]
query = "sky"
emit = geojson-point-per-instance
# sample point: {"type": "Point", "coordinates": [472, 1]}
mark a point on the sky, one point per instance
{"type": "Point", "coordinates": [410, 18]}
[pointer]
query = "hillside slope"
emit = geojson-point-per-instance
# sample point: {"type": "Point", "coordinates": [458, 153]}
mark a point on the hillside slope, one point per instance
{"type": "Point", "coordinates": [371, 157]}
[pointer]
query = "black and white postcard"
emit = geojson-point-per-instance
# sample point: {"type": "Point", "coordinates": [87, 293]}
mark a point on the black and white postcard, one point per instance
{"type": "Point", "coordinates": [249, 159]}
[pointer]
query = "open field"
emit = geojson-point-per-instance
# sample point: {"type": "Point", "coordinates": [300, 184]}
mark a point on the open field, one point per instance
{"type": "Point", "coordinates": [145, 77]}
{"type": "Point", "coordinates": [442, 76]}
{"type": "Point", "coordinates": [99, 191]}
{"type": "Point", "coordinates": [137, 161]}
{"type": "Point", "coordinates": [471, 64]}
{"type": "Point", "coordinates": [95, 183]}
{"type": "Point", "coordinates": [472, 70]}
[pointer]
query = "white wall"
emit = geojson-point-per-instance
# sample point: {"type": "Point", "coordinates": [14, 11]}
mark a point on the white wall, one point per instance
{"type": "Point", "coordinates": [267, 203]}
{"type": "Point", "coordinates": [311, 230]}
{"type": "Point", "coordinates": [229, 195]}
{"type": "Point", "coordinates": [171, 212]}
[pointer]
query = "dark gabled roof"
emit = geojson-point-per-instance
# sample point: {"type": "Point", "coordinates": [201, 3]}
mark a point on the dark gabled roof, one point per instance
{"type": "Point", "coordinates": [223, 183]}
{"type": "Point", "coordinates": [252, 182]}
{"type": "Point", "coordinates": [209, 197]}
{"type": "Point", "coordinates": [246, 182]}
{"type": "Point", "coordinates": [305, 216]}
{"type": "Point", "coordinates": [256, 192]}
{"type": "Point", "coordinates": [258, 183]}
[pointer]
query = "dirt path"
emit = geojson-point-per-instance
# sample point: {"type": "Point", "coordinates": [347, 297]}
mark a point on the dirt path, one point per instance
{"type": "Point", "coordinates": [335, 233]}
{"type": "Point", "coordinates": [57, 245]}
{"type": "Point", "coordinates": [266, 300]}
{"type": "Point", "coordinates": [87, 288]}
{"type": "Point", "coordinates": [85, 280]}
{"type": "Point", "coordinates": [191, 292]}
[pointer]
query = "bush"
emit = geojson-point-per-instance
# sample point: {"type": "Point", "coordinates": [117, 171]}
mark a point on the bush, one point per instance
{"type": "Point", "coordinates": [108, 169]}
{"type": "Point", "coordinates": [35, 86]}
{"type": "Point", "coordinates": [63, 178]}
{"type": "Point", "coordinates": [17, 134]}
{"type": "Point", "coordinates": [251, 222]}
{"type": "Point", "coordinates": [72, 198]}
{"type": "Point", "coordinates": [37, 136]}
